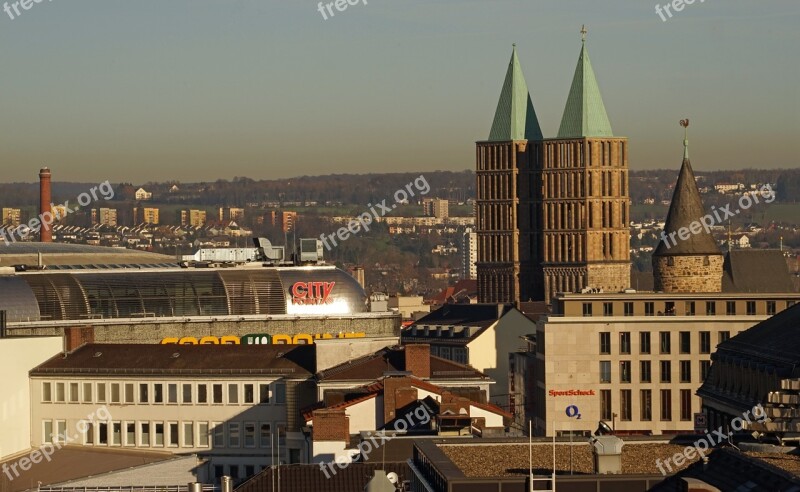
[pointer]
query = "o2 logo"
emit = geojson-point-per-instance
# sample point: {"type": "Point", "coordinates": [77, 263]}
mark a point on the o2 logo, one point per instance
{"type": "Point", "coordinates": [573, 412]}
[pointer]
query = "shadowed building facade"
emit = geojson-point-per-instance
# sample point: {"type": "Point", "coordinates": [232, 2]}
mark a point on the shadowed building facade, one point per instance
{"type": "Point", "coordinates": [552, 213]}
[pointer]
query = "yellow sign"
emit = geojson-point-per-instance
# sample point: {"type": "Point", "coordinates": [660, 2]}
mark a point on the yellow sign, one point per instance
{"type": "Point", "coordinates": [279, 339]}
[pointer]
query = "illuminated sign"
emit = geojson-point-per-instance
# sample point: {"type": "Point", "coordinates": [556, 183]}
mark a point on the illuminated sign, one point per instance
{"type": "Point", "coordinates": [260, 339]}
{"type": "Point", "coordinates": [571, 393]}
{"type": "Point", "coordinates": [312, 292]}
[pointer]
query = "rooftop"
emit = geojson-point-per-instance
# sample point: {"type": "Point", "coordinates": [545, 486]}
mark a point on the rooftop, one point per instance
{"type": "Point", "coordinates": [311, 477]}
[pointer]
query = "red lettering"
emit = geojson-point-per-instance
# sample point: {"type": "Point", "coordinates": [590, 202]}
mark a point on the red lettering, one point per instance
{"type": "Point", "coordinates": [312, 292]}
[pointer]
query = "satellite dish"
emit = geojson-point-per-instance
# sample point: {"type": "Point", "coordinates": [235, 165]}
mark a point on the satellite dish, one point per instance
{"type": "Point", "coordinates": [603, 429]}
{"type": "Point", "coordinates": [392, 476]}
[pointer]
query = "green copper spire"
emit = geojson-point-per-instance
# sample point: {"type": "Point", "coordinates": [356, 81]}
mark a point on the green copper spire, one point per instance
{"type": "Point", "coordinates": [515, 118]}
{"type": "Point", "coordinates": [584, 115]}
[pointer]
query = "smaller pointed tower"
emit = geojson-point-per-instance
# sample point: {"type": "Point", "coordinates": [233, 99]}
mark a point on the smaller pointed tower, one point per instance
{"type": "Point", "coordinates": [687, 258]}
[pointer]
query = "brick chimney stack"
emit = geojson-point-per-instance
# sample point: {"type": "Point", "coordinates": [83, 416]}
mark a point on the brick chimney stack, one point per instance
{"type": "Point", "coordinates": [418, 359]}
{"type": "Point", "coordinates": [45, 234]}
{"type": "Point", "coordinates": [331, 425]}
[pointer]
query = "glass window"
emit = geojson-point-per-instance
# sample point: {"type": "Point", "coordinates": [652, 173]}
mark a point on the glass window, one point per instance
{"type": "Point", "coordinates": [265, 435]}
{"type": "Point", "coordinates": [628, 309]}
{"type": "Point", "coordinates": [88, 437]}
{"type": "Point", "coordinates": [217, 393]}
{"type": "Point", "coordinates": [144, 428]}
{"type": "Point", "coordinates": [130, 434]}
{"type": "Point", "coordinates": [666, 404]}
{"type": "Point", "coordinates": [143, 394]}
{"type": "Point", "coordinates": [174, 440]}
{"type": "Point", "coordinates": [587, 309]}
{"type": "Point", "coordinates": [249, 434]}
{"type": "Point", "coordinates": [233, 434]}
{"type": "Point", "coordinates": [608, 309]}
{"type": "Point", "coordinates": [644, 367]}
{"type": "Point", "coordinates": [48, 431]}
{"type": "Point", "coordinates": [649, 308]}
{"type": "Point", "coordinates": [172, 393]}
{"type": "Point", "coordinates": [666, 346]}
{"type": "Point", "coordinates": [74, 397]}
{"type": "Point", "coordinates": [203, 435]}
{"type": "Point", "coordinates": [61, 430]}
{"type": "Point", "coordinates": [711, 308]}
{"type": "Point", "coordinates": [771, 308]}
{"type": "Point", "coordinates": [666, 371]}
{"type": "Point", "coordinates": [114, 392]}
{"type": "Point", "coordinates": [751, 308]}
{"type": "Point", "coordinates": [116, 433]}
{"type": "Point", "coordinates": [282, 434]}
{"type": "Point", "coordinates": [129, 392]}
{"type": "Point", "coordinates": [705, 342]}
{"type": "Point", "coordinates": [249, 393]}
{"type": "Point", "coordinates": [280, 393]}
{"type": "Point", "coordinates": [60, 396]}
{"type": "Point", "coordinates": [87, 392]}
{"type": "Point", "coordinates": [263, 396]}
{"type": "Point", "coordinates": [625, 371]}
{"type": "Point", "coordinates": [705, 368]}
{"type": "Point", "coordinates": [47, 392]}
{"type": "Point", "coordinates": [188, 434]}
{"type": "Point", "coordinates": [724, 336]}
{"type": "Point", "coordinates": [646, 405]}
{"type": "Point", "coordinates": [730, 308]}
{"type": "Point", "coordinates": [625, 342]}
{"type": "Point", "coordinates": [605, 342]}
{"type": "Point", "coordinates": [685, 339]}
{"type": "Point", "coordinates": [187, 393]}
{"type": "Point", "coordinates": [690, 308]}
{"type": "Point", "coordinates": [158, 393]}
{"type": "Point", "coordinates": [644, 342]}
{"type": "Point", "coordinates": [686, 371]}
{"type": "Point", "coordinates": [233, 393]}
{"type": "Point", "coordinates": [625, 404]}
{"type": "Point", "coordinates": [202, 393]}
{"type": "Point", "coordinates": [159, 441]}
{"type": "Point", "coordinates": [102, 433]}
{"type": "Point", "coordinates": [605, 404]}
{"type": "Point", "coordinates": [686, 404]}
{"type": "Point", "coordinates": [219, 435]}
{"type": "Point", "coordinates": [605, 371]}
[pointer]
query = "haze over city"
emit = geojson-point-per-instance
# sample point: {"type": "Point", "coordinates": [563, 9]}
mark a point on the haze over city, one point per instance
{"type": "Point", "coordinates": [205, 90]}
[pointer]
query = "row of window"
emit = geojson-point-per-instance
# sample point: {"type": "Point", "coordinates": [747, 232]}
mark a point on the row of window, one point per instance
{"type": "Point", "coordinates": [645, 373]}
{"type": "Point", "coordinates": [164, 393]}
{"type": "Point", "coordinates": [664, 342]}
{"type": "Point", "coordinates": [145, 434]}
{"type": "Point", "coordinates": [690, 308]}
{"type": "Point", "coordinates": [645, 405]}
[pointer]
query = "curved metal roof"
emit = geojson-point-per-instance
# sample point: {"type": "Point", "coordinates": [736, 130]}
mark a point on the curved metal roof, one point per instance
{"type": "Point", "coordinates": [17, 300]}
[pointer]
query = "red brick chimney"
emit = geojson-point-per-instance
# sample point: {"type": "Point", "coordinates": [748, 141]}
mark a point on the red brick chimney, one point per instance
{"type": "Point", "coordinates": [77, 336]}
{"type": "Point", "coordinates": [331, 425]}
{"type": "Point", "coordinates": [45, 235]}
{"type": "Point", "coordinates": [418, 360]}
{"type": "Point", "coordinates": [397, 393]}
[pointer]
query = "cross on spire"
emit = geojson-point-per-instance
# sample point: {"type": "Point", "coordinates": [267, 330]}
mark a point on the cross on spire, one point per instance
{"type": "Point", "coordinates": [584, 31]}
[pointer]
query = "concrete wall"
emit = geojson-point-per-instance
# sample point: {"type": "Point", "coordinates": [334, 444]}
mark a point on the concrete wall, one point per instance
{"type": "Point", "coordinates": [17, 357]}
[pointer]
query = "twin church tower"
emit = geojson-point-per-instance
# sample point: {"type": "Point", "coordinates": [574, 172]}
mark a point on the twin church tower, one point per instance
{"type": "Point", "coordinates": [552, 213]}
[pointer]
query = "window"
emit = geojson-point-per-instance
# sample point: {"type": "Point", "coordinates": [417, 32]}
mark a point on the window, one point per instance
{"type": "Point", "coordinates": [751, 308]}
{"type": "Point", "coordinates": [102, 433]}
{"type": "Point", "coordinates": [172, 393]}
{"type": "Point", "coordinates": [666, 404]}
{"type": "Point", "coordinates": [685, 339]}
{"type": "Point", "coordinates": [265, 435]}
{"type": "Point", "coordinates": [605, 404]}
{"type": "Point", "coordinates": [47, 392]}
{"type": "Point", "coordinates": [644, 368]}
{"type": "Point", "coordinates": [666, 371]}
{"type": "Point", "coordinates": [646, 405]}
{"type": "Point", "coordinates": [158, 393]}
{"type": "Point", "coordinates": [60, 397]}
{"type": "Point", "coordinates": [644, 342]}
{"type": "Point", "coordinates": [203, 435]}
{"type": "Point", "coordinates": [671, 261]}
{"type": "Point", "coordinates": [649, 308]}
{"type": "Point", "coordinates": [280, 393]}
{"type": "Point", "coordinates": [587, 309]}
{"type": "Point", "coordinates": [219, 471]}
{"type": "Point", "coordinates": [625, 371]}
{"type": "Point", "coordinates": [87, 392]}
{"type": "Point", "coordinates": [628, 309]}
{"type": "Point", "coordinates": [233, 393]}
{"type": "Point", "coordinates": [705, 368]}
{"type": "Point", "coordinates": [669, 308]}
{"type": "Point", "coordinates": [730, 308]}
{"type": "Point", "coordinates": [608, 309]}
{"type": "Point", "coordinates": [625, 342]}
{"type": "Point", "coordinates": [686, 371]}
{"type": "Point", "coordinates": [686, 404]}
{"type": "Point", "coordinates": [690, 308]}
{"type": "Point", "coordinates": [249, 393]}
{"type": "Point", "coordinates": [88, 436]}
{"type": "Point", "coordinates": [219, 435]}
{"type": "Point", "coordinates": [263, 393]}
{"type": "Point", "coordinates": [48, 431]}
{"type": "Point", "coordinates": [705, 342]}
{"type": "Point", "coordinates": [173, 434]}
{"type": "Point", "coordinates": [187, 393]}
{"type": "Point", "coordinates": [73, 393]}
{"type": "Point", "coordinates": [130, 434]}
{"type": "Point", "coordinates": [724, 335]}
{"type": "Point", "coordinates": [771, 308]}
{"type": "Point", "coordinates": [116, 434]}
{"type": "Point", "coordinates": [233, 434]}
{"type": "Point", "coordinates": [144, 429]}
{"type": "Point", "coordinates": [217, 388]}
{"type": "Point", "coordinates": [625, 404]}
{"type": "Point", "coordinates": [129, 392]}
{"type": "Point", "coordinates": [665, 342]}
{"type": "Point", "coordinates": [143, 392]}
{"type": "Point", "coordinates": [188, 434]}
{"type": "Point", "coordinates": [711, 308]}
{"type": "Point", "coordinates": [250, 470]}
{"type": "Point", "coordinates": [281, 434]}
{"type": "Point", "coordinates": [202, 393]}
{"type": "Point", "coordinates": [61, 430]}
{"type": "Point", "coordinates": [114, 392]}
{"type": "Point", "coordinates": [605, 371]}
{"type": "Point", "coordinates": [159, 434]}
{"type": "Point", "coordinates": [605, 342]}
{"type": "Point", "coordinates": [249, 434]}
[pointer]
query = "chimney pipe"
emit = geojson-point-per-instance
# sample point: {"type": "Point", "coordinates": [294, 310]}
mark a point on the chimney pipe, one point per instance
{"type": "Point", "coordinates": [45, 235]}
{"type": "Point", "coordinates": [227, 484]}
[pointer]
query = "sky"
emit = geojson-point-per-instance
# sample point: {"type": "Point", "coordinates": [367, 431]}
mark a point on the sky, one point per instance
{"type": "Point", "coordinates": [198, 90]}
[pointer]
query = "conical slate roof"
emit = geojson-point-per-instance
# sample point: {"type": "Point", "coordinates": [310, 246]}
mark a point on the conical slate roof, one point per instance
{"type": "Point", "coordinates": [686, 207]}
{"type": "Point", "coordinates": [515, 118]}
{"type": "Point", "coordinates": [585, 114]}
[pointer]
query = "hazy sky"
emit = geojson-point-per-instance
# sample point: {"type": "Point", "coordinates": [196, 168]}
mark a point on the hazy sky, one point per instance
{"type": "Point", "coordinates": [199, 90]}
